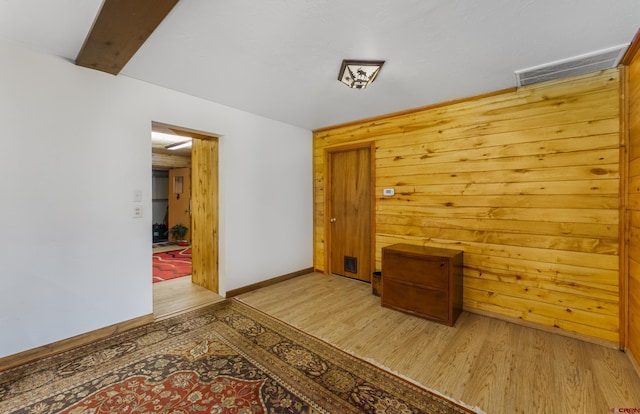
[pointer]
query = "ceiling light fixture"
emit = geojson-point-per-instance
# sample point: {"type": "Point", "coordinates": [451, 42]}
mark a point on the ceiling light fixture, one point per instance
{"type": "Point", "coordinates": [358, 74]}
{"type": "Point", "coordinates": [163, 136]}
{"type": "Point", "coordinates": [179, 145]}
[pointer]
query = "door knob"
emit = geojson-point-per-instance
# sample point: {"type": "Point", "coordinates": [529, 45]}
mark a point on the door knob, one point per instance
{"type": "Point", "coordinates": [333, 219]}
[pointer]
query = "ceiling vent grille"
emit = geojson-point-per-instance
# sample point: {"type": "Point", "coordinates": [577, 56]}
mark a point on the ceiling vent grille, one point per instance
{"type": "Point", "coordinates": [577, 65]}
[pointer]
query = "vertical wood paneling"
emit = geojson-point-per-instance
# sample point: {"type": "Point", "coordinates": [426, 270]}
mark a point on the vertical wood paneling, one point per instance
{"type": "Point", "coordinates": [526, 182]}
{"type": "Point", "coordinates": [633, 208]}
{"type": "Point", "coordinates": [205, 213]}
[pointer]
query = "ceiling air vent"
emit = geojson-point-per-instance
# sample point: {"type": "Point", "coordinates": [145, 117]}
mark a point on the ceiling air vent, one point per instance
{"type": "Point", "coordinates": [577, 65]}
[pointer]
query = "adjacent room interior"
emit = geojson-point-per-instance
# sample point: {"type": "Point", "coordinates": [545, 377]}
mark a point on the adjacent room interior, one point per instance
{"type": "Point", "coordinates": [174, 289]}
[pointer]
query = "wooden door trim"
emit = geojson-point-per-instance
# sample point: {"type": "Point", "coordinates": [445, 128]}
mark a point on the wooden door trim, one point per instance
{"type": "Point", "coordinates": [205, 246]}
{"type": "Point", "coordinates": [328, 152]}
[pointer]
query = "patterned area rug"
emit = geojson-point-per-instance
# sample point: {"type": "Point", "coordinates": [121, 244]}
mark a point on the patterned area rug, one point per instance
{"type": "Point", "coordinates": [225, 358]}
{"type": "Point", "coordinates": [171, 264]}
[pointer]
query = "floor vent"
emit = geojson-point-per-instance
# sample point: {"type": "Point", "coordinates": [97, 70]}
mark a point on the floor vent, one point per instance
{"type": "Point", "coordinates": [350, 264]}
{"type": "Point", "coordinates": [577, 65]}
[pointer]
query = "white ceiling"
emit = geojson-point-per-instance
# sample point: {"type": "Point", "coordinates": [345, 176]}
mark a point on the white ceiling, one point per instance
{"type": "Point", "coordinates": [280, 58]}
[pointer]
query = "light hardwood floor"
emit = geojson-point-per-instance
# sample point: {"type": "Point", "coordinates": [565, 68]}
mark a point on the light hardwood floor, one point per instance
{"type": "Point", "coordinates": [498, 366]}
{"type": "Point", "coordinates": [179, 295]}
{"type": "Point", "coordinates": [174, 296]}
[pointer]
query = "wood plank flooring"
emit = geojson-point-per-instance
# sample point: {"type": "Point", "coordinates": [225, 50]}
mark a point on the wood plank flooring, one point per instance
{"type": "Point", "coordinates": [498, 366]}
{"type": "Point", "coordinates": [174, 296]}
{"type": "Point", "coordinates": [179, 295]}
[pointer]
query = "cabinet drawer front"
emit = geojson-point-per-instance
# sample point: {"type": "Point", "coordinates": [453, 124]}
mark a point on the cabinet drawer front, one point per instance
{"type": "Point", "coordinates": [431, 303]}
{"type": "Point", "coordinates": [427, 271]}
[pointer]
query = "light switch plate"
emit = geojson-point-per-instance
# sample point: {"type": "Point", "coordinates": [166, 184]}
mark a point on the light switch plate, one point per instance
{"type": "Point", "coordinates": [388, 192]}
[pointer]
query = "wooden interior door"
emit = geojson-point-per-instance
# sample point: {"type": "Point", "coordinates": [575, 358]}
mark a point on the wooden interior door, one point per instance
{"type": "Point", "coordinates": [180, 200]}
{"type": "Point", "coordinates": [204, 253]}
{"type": "Point", "coordinates": [349, 209]}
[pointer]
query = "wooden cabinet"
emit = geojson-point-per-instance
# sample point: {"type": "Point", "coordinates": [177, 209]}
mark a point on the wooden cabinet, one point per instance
{"type": "Point", "coordinates": [423, 281]}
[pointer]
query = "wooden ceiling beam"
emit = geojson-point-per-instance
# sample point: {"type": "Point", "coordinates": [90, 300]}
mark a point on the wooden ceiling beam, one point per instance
{"type": "Point", "coordinates": [120, 28]}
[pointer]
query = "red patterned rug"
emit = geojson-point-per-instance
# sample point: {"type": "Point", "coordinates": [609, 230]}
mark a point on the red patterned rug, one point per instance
{"type": "Point", "coordinates": [171, 264]}
{"type": "Point", "coordinates": [225, 358]}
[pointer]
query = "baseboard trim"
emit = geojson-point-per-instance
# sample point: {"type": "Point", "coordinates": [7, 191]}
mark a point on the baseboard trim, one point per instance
{"type": "Point", "coordinates": [557, 331]}
{"type": "Point", "coordinates": [268, 282]}
{"type": "Point", "coordinates": [64, 345]}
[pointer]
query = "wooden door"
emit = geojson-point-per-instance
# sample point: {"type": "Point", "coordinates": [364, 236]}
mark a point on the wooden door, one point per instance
{"type": "Point", "coordinates": [349, 208]}
{"type": "Point", "coordinates": [180, 200]}
{"type": "Point", "coordinates": [204, 257]}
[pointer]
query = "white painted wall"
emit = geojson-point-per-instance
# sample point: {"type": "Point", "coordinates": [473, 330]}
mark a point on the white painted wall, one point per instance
{"type": "Point", "coordinates": [75, 145]}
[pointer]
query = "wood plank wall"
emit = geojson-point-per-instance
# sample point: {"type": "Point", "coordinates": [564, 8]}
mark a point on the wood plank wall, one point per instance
{"type": "Point", "coordinates": [526, 182]}
{"type": "Point", "coordinates": [633, 205]}
{"type": "Point", "coordinates": [159, 160]}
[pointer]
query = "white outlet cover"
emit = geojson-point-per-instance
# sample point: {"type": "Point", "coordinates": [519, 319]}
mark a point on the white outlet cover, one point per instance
{"type": "Point", "coordinates": [388, 192]}
{"type": "Point", "coordinates": [137, 210]}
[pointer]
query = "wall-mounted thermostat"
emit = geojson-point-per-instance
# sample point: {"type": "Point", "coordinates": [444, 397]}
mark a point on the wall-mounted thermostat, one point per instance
{"type": "Point", "coordinates": [388, 192]}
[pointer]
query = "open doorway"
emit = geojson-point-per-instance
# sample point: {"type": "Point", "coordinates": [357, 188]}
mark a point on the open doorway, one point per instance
{"type": "Point", "coordinates": [185, 219]}
{"type": "Point", "coordinates": [171, 204]}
